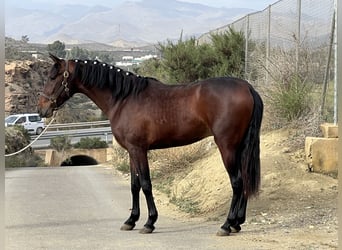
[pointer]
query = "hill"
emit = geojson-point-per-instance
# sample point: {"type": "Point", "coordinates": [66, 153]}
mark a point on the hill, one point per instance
{"type": "Point", "coordinates": [144, 22]}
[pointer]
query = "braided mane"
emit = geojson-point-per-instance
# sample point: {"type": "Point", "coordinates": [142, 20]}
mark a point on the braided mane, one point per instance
{"type": "Point", "coordinates": [93, 73]}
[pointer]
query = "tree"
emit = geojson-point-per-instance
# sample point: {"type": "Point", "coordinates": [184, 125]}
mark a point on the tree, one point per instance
{"type": "Point", "coordinates": [230, 50]}
{"type": "Point", "coordinates": [57, 48]}
{"type": "Point", "coordinates": [181, 60]}
{"type": "Point", "coordinates": [78, 53]}
{"type": "Point", "coordinates": [188, 61]}
{"type": "Point", "coordinates": [60, 143]}
{"type": "Point", "coordinates": [152, 68]}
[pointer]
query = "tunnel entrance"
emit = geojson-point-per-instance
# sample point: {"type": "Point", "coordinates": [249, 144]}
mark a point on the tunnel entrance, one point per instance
{"type": "Point", "coordinates": [79, 160]}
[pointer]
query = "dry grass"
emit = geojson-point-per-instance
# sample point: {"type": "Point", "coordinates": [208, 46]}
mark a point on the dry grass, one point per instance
{"type": "Point", "coordinates": [166, 160]}
{"type": "Point", "coordinates": [307, 124]}
{"type": "Point", "coordinates": [165, 163]}
{"type": "Point", "coordinates": [120, 159]}
{"type": "Point", "coordinates": [179, 158]}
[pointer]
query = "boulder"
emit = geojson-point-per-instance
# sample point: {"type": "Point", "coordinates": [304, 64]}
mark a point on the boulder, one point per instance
{"type": "Point", "coordinates": [322, 154]}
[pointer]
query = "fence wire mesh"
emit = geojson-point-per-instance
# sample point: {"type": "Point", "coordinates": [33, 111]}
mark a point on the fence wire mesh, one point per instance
{"type": "Point", "coordinates": [288, 37]}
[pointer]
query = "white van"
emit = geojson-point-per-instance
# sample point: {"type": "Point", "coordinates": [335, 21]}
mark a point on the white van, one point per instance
{"type": "Point", "coordinates": [33, 123]}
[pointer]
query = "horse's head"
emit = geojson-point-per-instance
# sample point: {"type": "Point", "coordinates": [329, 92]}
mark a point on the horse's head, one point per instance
{"type": "Point", "coordinates": [56, 90]}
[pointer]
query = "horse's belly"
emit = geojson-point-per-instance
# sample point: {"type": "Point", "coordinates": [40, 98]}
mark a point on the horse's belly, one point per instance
{"type": "Point", "coordinates": [179, 137]}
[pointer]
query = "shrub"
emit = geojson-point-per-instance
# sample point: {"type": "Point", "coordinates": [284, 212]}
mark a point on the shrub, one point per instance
{"type": "Point", "coordinates": [186, 205]}
{"type": "Point", "coordinates": [24, 159]}
{"type": "Point", "coordinates": [121, 159]}
{"type": "Point", "coordinates": [60, 143]}
{"type": "Point", "coordinates": [290, 100]}
{"type": "Point", "coordinates": [91, 143]}
{"type": "Point", "coordinates": [229, 49]}
{"type": "Point", "coordinates": [16, 138]}
{"type": "Point", "coordinates": [123, 167]}
{"type": "Point", "coordinates": [186, 61]}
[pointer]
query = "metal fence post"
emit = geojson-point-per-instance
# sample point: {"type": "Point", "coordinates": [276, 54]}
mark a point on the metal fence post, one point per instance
{"type": "Point", "coordinates": [268, 42]}
{"type": "Point", "coordinates": [299, 13]}
{"type": "Point", "coordinates": [246, 46]}
{"type": "Point", "coordinates": [336, 63]}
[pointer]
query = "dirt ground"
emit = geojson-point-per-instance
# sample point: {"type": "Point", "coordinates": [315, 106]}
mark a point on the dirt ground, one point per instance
{"type": "Point", "coordinates": [295, 209]}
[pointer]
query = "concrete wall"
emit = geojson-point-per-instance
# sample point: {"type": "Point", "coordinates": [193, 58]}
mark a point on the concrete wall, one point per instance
{"type": "Point", "coordinates": [54, 158]}
{"type": "Point", "coordinates": [322, 152]}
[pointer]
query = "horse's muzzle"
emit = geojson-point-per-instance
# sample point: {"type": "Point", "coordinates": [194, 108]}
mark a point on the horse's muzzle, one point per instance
{"type": "Point", "coordinates": [45, 112]}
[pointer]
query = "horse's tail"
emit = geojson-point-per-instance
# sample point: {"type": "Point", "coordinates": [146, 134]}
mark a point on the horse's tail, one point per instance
{"type": "Point", "coordinates": [250, 150]}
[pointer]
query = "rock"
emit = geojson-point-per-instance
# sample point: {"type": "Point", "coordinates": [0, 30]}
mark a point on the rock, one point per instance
{"type": "Point", "coordinates": [23, 80]}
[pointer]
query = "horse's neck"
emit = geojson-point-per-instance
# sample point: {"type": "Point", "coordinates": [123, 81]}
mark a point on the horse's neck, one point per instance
{"type": "Point", "coordinates": [102, 98]}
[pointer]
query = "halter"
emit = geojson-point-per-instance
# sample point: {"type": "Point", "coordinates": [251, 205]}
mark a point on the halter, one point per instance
{"type": "Point", "coordinates": [63, 87]}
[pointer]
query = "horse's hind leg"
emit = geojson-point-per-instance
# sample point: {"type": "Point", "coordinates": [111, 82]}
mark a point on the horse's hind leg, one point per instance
{"type": "Point", "coordinates": [237, 212]}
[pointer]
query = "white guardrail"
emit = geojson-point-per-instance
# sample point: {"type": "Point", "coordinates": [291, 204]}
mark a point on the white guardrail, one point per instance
{"type": "Point", "coordinates": [75, 131]}
{"type": "Point", "coordinates": [79, 125]}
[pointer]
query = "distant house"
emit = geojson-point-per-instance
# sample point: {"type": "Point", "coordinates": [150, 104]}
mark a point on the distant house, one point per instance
{"type": "Point", "coordinates": [35, 54]}
{"type": "Point", "coordinates": [127, 61]}
{"type": "Point", "coordinates": [127, 58]}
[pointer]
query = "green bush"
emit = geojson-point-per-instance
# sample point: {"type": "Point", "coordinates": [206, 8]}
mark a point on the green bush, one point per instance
{"type": "Point", "coordinates": [91, 143]}
{"type": "Point", "coordinates": [123, 167]}
{"type": "Point", "coordinates": [121, 159]}
{"type": "Point", "coordinates": [229, 49]}
{"type": "Point", "coordinates": [181, 60]}
{"type": "Point", "coordinates": [60, 143]}
{"type": "Point", "coordinates": [16, 138]}
{"type": "Point", "coordinates": [24, 159]}
{"type": "Point", "coordinates": [290, 100]}
{"type": "Point", "coordinates": [186, 61]}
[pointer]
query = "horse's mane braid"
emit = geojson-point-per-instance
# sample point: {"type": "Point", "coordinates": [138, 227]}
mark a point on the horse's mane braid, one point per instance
{"type": "Point", "coordinates": [102, 75]}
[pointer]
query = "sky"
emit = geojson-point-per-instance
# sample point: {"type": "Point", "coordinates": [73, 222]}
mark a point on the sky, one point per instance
{"type": "Point", "coordinates": [250, 4]}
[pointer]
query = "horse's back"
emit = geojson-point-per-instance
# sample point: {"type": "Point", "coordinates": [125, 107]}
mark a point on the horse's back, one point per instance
{"type": "Point", "coordinates": [227, 84]}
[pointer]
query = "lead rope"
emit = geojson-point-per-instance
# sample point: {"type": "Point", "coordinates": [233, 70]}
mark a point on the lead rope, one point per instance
{"type": "Point", "coordinates": [29, 145]}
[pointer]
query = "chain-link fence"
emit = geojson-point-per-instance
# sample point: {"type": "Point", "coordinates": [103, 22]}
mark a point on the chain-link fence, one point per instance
{"type": "Point", "coordinates": [288, 37]}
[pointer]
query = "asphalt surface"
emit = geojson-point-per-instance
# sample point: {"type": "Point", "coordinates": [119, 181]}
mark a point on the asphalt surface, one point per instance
{"type": "Point", "coordinates": [84, 207]}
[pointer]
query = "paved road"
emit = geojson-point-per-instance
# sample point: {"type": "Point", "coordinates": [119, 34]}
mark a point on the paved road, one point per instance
{"type": "Point", "coordinates": [84, 207]}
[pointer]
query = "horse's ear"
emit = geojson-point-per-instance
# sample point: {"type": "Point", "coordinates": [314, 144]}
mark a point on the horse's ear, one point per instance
{"type": "Point", "coordinates": [55, 58]}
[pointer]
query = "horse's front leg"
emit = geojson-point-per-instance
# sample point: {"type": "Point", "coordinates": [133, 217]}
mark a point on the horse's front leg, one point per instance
{"type": "Point", "coordinates": [135, 189]}
{"type": "Point", "coordinates": [146, 186]}
{"type": "Point", "coordinates": [141, 179]}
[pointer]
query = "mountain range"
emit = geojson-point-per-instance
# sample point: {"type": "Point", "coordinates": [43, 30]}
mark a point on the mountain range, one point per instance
{"type": "Point", "coordinates": [142, 22]}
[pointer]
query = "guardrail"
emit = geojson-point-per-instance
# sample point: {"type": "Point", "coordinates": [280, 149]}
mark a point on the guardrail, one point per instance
{"type": "Point", "coordinates": [79, 125]}
{"type": "Point", "coordinates": [75, 131]}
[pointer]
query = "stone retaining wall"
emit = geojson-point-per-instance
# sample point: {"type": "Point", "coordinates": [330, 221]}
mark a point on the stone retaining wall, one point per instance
{"type": "Point", "coordinates": [322, 152]}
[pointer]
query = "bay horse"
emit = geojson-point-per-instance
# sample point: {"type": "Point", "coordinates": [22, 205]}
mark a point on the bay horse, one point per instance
{"type": "Point", "coordinates": [146, 114]}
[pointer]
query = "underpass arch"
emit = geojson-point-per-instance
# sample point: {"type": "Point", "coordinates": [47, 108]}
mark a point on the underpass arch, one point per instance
{"type": "Point", "coordinates": [79, 160]}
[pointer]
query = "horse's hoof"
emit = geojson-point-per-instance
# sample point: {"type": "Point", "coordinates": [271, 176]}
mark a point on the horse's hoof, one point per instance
{"type": "Point", "coordinates": [223, 232]}
{"type": "Point", "coordinates": [146, 230]}
{"type": "Point", "coordinates": [235, 229]}
{"type": "Point", "coordinates": [126, 227]}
